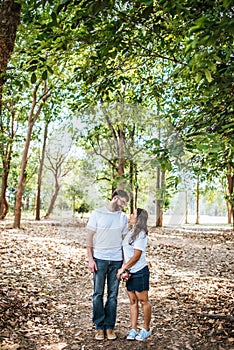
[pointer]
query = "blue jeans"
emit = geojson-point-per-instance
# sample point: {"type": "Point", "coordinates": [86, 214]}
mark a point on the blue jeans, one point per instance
{"type": "Point", "coordinates": [104, 317]}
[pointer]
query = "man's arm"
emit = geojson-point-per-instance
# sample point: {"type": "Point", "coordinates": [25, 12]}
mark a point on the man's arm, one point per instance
{"type": "Point", "coordinates": [89, 245]}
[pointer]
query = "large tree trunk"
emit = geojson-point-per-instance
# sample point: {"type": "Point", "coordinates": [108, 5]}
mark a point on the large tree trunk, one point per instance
{"type": "Point", "coordinates": [4, 207]}
{"type": "Point", "coordinates": [9, 20]}
{"type": "Point", "coordinates": [39, 181]}
{"type": "Point", "coordinates": [6, 145]}
{"type": "Point", "coordinates": [33, 116]}
{"type": "Point", "coordinates": [22, 179]}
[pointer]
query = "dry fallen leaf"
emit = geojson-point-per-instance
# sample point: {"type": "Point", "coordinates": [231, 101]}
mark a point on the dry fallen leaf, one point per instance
{"type": "Point", "coordinates": [46, 290]}
{"type": "Point", "coordinates": [57, 346]}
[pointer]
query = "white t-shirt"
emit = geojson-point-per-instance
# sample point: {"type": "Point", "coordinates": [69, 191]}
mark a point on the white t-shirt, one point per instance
{"type": "Point", "coordinates": [140, 243]}
{"type": "Point", "coordinates": [109, 227]}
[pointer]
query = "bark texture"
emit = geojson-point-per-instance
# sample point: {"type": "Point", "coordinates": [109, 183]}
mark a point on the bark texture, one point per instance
{"type": "Point", "coordinates": [9, 20]}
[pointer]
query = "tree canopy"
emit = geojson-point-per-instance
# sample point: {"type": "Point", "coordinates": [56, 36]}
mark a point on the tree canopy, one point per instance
{"type": "Point", "coordinates": [173, 58]}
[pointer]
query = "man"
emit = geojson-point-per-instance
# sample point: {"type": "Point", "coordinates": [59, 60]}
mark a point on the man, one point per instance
{"type": "Point", "coordinates": [106, 228]}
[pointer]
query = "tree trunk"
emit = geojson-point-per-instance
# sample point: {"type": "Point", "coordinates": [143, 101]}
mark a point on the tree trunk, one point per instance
{"type": "Point", "coordinates": [56, 160]}
{"type": "Point", "coordinates": [9, 20]}
{"type": "Point", "coordinates": [197, 201]}
{"type": "Point", "coordinates": [39, 181]}
{"type": "Point", "coordinates": [31, 121]}
{"type": "Point", "coordinates": [158, 198]}
{"type": "Point", "coordinates": [160, 183]}
{"type": "Point", "coordinates": [6, 162]}
{"type": "Point", "coordinates": [131, 171]}
{"type": "Point", "coordinates": [4, 207]}
{"type": "Point", "coordinates": [136, 187]}
{"type": "Point", "coordinates": [230, 179]}
{"type": "Point", "coordinates": [163, 174]}
{"type": "Point", "coordinates": [53, 199]}
{"type": "Point", "coordinates": [118, 142]}
{"type": "Point", "coordinates": [22, 179]}
{"type": "Point", "coordinates": [121, 184]}
{"type": "Point", "coordinates": [73, 204]}
{"type": "Point", "coordinates": [186, 207]}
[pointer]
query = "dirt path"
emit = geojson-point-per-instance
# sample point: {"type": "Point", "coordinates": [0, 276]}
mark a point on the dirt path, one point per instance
{"type": "Point", "coordinates": [46, 290]}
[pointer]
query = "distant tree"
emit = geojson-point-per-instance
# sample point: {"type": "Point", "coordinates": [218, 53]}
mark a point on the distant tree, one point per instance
{"type": "Point", "coordinates": [57, 163]}
{"type": "Point", "coordinates": [83, 208]}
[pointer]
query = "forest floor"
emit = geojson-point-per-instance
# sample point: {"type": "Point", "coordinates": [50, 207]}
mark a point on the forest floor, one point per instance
{"type": "Point", "coordinates": [46, 289]}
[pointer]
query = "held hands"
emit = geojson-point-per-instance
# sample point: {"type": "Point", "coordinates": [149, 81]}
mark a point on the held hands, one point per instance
{"type": "Point", "coordinates": [119, 273]}
{"type": "Point", "coordinates": [123, 274]}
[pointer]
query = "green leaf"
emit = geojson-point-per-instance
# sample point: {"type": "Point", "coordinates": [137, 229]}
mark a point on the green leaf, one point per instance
{"type": "Point", "coordinates": [50, 69]}
{"type": "Point", "coordinates": [212, 66]}
{"type": "Point", "coordinates": [188, 48]}
{"type": "Point", "coordinates": [203, 147]}
{"type": "Point", "coordinates": [147, 2]}
{"type": "Point", "coordinates": [44, 75]}
{"type": "Point", "coordinates": [33, 78]}
{"type": "Point", "coordinates": [33, 62]}
{"type": "Point", "coordinates": [32, 68]}
{"type": "Point", "coordinates": [53, 16]}
{"type": "Point", "coordinates": [227, 3]}
{"type": "Point", "coordinates": [198, 77]}
{"type": "Point", "coordinates": [227, 126]}
{"type": "Point", "coordinates": [208, 75]}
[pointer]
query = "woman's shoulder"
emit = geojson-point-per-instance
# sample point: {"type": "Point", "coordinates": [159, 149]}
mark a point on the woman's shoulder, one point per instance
{"type": "Point", "coordinates": [142, 234]}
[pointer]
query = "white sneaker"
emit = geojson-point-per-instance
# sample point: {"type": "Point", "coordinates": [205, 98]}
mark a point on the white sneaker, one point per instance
{"type": "Point", "coordinates": [143, 334]}
{"type": "Point", "coordinates": [132, 334]}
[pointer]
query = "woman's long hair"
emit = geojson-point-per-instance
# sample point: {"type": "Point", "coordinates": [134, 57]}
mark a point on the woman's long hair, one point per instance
{"type": "Point", "coordinates": [140, 225]}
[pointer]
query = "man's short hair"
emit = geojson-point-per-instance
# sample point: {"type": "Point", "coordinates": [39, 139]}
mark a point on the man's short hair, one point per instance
{"type": "Point", "coordinates": [120, 193]}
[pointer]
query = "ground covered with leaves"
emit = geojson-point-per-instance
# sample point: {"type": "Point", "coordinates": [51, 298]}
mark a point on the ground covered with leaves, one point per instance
{"type": "Point", "coordinates": [46, 289]}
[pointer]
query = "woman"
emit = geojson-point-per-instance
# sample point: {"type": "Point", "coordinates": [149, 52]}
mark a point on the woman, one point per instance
{"type": "Point", "coordinates": [134, 248]}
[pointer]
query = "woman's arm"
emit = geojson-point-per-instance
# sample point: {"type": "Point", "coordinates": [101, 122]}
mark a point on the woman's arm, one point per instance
{"type": "Point", "coordinates": [127, 265]}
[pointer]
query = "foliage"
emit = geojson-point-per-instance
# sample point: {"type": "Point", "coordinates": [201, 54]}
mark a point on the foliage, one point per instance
{"type": "Point", "coordinates": [172, 58]}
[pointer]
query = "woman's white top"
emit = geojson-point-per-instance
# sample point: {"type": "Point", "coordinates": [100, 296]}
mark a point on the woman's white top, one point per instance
{"type": "Point", "coordinates": [140, 243]}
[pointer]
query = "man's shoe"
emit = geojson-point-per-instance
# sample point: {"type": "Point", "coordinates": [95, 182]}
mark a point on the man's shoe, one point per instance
{"type": "Point", "coordinates": [143, 334]}
{"type": "Point", "coordinates": [110, 333]}
{"type": "Point", "coordinates": [99, 335]}
{"type": "Point", "coordinates": [132, 334]}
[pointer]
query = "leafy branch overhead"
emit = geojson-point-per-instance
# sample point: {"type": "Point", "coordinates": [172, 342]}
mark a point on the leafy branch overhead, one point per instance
{"type": "Point", "coordinates": [171, 58]}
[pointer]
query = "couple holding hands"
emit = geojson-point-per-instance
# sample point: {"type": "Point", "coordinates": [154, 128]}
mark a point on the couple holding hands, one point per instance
{"type": "Point", "coordinates": [114, 251]}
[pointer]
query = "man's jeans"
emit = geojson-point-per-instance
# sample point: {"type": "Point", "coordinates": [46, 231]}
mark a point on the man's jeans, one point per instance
{"type": "Point", "coordinates": [104, 317]}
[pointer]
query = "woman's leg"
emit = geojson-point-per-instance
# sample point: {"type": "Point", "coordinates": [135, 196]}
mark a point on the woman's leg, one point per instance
{"type": "Point", "coordinates": [134, 310]}
{"type": "Point", "coordinates": [146, 306]}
